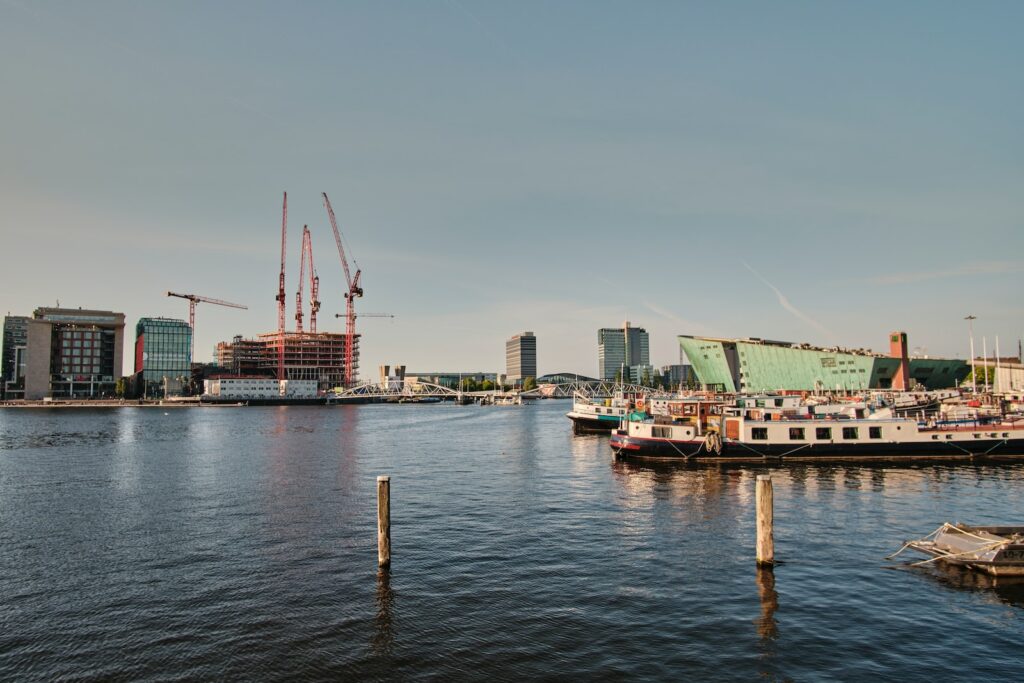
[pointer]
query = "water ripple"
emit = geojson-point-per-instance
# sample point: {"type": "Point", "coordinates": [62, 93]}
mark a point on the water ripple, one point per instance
{"type": "Point", "coordinates": [241, 545]}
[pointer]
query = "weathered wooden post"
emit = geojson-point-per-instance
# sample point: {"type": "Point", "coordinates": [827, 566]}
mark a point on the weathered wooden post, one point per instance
{"type": "Point", "coordinates": [765, 537]}
{"type": "Point", "coordinates": [384, 521]}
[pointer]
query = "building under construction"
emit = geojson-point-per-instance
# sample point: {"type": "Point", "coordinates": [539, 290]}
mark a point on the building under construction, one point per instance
{"type": "Point", "coordinates": [329, 358]}
{"type": "Point", "coordinates": [307, 356]}
{"type": "Point", "coordinates": [320, 356]}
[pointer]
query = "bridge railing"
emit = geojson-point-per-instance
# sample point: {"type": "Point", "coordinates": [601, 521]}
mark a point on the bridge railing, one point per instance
{"type": "Point", "coordinates": [562, 390]}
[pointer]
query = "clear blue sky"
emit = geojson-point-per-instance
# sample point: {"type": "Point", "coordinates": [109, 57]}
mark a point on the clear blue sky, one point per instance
{"type": "Point", "coordinates": [813, 171]}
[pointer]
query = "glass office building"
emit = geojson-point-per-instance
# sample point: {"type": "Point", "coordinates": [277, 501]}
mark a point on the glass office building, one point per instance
{"type": "Point", "coordinates": [163, 355]}
{"type": "Point", "coordinates": [620, 349]}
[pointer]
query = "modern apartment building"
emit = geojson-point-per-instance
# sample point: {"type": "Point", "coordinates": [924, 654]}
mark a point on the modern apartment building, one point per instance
{"type": "Point", "coordinates": [619, 349]}
{"type": "Point", "coordinates": [12, 358]}
{"type": "Point", "coordinates": [521, 357]}
{"type": "Point", "coordinates": [73, 353]}
{"type": "Point", "coordinates": [163, 356]}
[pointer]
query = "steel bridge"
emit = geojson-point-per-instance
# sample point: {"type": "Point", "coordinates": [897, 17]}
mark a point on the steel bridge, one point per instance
{"type": "Point", "coordinates": [376, 391]}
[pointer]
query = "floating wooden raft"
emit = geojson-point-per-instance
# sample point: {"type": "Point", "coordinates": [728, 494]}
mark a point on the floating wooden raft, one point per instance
{"type": "Point", "coordinates": [996, 550]}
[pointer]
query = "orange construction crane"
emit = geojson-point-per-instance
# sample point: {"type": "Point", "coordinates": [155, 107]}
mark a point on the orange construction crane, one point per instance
{"type": "Point", "coordinates": [367, 315]}
{"type": "Point", "coordinates": [314, 284]}
{"type": "Point", "coordinates": [194, 299]}
{"type": "Point", "coordinates": [354, 290]}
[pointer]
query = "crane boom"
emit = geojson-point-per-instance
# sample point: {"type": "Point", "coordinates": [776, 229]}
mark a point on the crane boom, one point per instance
{"type": "Point", "coordinates": [354, 290]}
{"type": "Point", "coordinates": [194, 299]}
{"type": "Point", "coordinates": [206, 300]}
{"type": "Point", "coordinates": [341, 248]}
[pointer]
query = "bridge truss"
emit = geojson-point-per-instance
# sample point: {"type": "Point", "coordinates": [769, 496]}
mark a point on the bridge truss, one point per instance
{"type": "Point", "coordinates": [374, 390]}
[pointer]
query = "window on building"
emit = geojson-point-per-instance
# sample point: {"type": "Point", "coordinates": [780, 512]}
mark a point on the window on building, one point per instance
{"type": "Point", "coordinates": [849, 432]}
{"type": "Point", "coordinates": [759, 433]}
{"type": "Point", "coordinates": [796, 433]}
{"type": "Point", "coordinates": [875, 432]}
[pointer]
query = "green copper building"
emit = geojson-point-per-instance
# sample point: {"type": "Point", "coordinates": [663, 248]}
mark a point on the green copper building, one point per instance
{"type": "Point", "coordinates": [759, 365]}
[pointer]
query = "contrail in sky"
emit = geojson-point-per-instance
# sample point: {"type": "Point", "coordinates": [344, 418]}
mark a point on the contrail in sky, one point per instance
{"type": "Point", "coordinates": [785, 303]}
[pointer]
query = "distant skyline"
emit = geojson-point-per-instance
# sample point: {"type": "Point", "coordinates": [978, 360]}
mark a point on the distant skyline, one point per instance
{"type": "Point", "coordinates": [809, 172]}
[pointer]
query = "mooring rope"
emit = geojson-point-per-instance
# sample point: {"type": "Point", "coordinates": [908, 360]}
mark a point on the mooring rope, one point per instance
{"type": "Point", "coordinates": [925, 538]}
{"type": "Point", "coordinates": [946, 526]}
{"type": "Point", "coordinates": [752, 450]}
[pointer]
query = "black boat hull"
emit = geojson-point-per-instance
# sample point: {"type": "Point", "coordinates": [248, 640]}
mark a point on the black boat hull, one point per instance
{"type": "Point", "coordinates": [734, 450]}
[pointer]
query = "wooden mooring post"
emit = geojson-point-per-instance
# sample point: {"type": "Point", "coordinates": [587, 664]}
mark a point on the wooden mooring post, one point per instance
{"type": "Point", "coordinates": [763, 501]}
{"type": "Point", "coordinates": [384, 521]}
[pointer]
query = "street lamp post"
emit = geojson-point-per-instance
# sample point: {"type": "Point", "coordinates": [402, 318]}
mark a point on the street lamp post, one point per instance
{"type": "Point", "coordinates": [970, 325]}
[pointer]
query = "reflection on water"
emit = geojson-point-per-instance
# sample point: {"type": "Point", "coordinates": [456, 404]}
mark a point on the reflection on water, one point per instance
{"type": "Point", "coordinates": [383, 632]}
{"type": "Point", "coordinates": [1006, 589]}
{"type": "Point", "coordinates": [241, 543]}
{"type": "Point", "coordinates": [767, 626]}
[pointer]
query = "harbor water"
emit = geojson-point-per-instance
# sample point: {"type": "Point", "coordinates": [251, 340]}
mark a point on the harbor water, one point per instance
{"type": "Point", "coordinates": [240, 543]}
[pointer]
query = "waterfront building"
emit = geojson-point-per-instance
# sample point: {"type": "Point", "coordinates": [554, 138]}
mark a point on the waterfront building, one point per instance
{"type": "Point", "coordinates": [242, 356]}
{"type": "Point", "coordinates": [319, 357]}
{"type": "Point", "coordinates": [640, 374]}
{"type": "Point", "coordinates": [675, 376]}
{"type": "Point", "coordinates": [255, 388]}
{"type": "Point", "coordinates": [449, 379]}
{"type": "Point", "coordinates": [392, 378]}
{"type": "Point", "coordinates": [521, 357]}
{"type": "Point", "coordinates": [619, 348]}
{"type": "Point", "coordinates": [12, 356]}
{"type": "Point", "coordinates": [73, 353]}
{"type": "Point", "coordinates": [163, 357]}
{"type": "Point", "coordinates": [760, 365]}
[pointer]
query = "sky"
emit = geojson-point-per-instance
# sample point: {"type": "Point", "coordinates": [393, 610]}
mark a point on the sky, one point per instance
{"type": "Point", "coordinates": [821, 172]}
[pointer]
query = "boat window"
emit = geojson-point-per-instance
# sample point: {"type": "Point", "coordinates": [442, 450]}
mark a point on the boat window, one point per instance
{"type": "Point", "coordinates": [1006, 435]}
{"type": "Point", "coordinates": [823, 433]}
{"type": "Point", "coordinates": [796, 433]}
{"type": "Point", "coordinates": [875, 432]}
{"type": "Point", "coordinates": [662, 432]}
{"type": "Point", "coordinates": [778, 402]}
{"type": "Point", "coordinates": [759, 433]}
{"type": "Point", "coordinates": [935, 437]}
{"type": "Point", "coordinates": [977, 436]}
{"type": "Point", "coordinates": [949, 436]}
{"type": "Point", "coordinates": [849, 432]}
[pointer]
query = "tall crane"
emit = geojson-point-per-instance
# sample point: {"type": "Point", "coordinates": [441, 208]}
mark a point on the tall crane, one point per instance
{"type": "Point", "coordinates": [354, 290]}
{"type": "Point", "coordinates": [280, 290]}
{"type": "Point", "coordinates": [194, 299]}
{"type": "Point", "coordinates": [314, 284]}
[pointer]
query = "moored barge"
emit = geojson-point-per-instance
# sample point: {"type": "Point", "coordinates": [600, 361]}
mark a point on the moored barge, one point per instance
{"type": "Point", "coordinates": [810, 437]}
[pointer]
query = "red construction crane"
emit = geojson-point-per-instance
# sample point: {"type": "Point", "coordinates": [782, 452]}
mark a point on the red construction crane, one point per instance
{"type": "Point", "coordinates": [354, 290]}
{"type": "Point", "coordinates": [314, 284]}
{"type": "Point", "coordinates": [194, 299]}
{"type": "Point", "coordinates": [280, 290]}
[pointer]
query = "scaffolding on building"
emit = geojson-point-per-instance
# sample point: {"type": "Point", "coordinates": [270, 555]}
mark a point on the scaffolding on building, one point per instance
{"type": "Point", "coordinates": [320, 356]}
